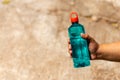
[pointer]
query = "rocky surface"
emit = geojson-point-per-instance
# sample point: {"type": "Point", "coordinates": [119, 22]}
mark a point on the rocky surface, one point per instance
{"type": "Point", "coordinates": [33, 39]}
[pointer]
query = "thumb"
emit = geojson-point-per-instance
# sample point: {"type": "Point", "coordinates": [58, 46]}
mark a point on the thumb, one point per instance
{"type": "Point", "coordinates": [86, 36]}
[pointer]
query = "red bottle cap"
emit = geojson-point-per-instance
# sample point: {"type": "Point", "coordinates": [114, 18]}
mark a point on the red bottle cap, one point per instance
{"type": "Point", "coordinates": [74, 17]}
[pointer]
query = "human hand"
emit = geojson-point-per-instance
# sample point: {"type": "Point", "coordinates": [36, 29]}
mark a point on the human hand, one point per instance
{"type": "Point", "coordinates": [93, 46]}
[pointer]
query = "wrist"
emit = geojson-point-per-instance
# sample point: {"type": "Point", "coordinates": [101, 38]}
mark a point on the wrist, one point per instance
{"type": "Point", "coordinates": [99, 52]}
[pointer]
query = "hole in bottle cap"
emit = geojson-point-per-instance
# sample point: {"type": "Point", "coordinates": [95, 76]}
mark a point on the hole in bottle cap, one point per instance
{"type": "Point", "coordinates": [74, 15]}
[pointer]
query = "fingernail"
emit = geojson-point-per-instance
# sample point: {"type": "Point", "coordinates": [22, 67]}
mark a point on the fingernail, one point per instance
{"type": "Point", "coordinates": [81, 34]}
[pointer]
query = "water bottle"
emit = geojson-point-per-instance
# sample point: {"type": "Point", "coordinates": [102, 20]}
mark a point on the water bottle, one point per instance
{"type": "Point", "coordinates": [80, 52]}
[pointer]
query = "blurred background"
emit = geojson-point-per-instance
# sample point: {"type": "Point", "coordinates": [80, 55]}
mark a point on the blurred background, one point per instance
{"type": "Point", "coordinates": [33, 38]}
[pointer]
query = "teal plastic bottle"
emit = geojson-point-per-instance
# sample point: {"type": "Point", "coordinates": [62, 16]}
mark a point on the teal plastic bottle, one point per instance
{"type": "Point", "coordinates": [80, 52]}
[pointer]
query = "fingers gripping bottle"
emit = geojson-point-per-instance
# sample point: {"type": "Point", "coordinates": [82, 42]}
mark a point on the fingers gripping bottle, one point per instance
{"type": "Point", "coordinates": [80, 52]}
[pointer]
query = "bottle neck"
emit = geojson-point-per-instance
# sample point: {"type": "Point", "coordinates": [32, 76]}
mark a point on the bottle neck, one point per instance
{"type": "Point", "coordinates": [74, 22]}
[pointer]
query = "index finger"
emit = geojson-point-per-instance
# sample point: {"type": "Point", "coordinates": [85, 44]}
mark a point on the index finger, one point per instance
{"type": "Point", "coordinates": [68, 41]}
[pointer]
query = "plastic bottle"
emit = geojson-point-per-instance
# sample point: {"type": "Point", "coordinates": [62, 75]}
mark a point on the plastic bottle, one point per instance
{"type": "Point", "coordinates": [80, 52]}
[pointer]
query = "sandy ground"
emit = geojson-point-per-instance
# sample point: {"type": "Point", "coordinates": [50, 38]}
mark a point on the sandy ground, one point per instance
{"type": "Point", "coordinates": [33, 39]}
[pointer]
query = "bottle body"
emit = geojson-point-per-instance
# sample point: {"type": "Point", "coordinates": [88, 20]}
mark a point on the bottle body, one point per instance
{"type": "Point", "coordinates": [80, 52]}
